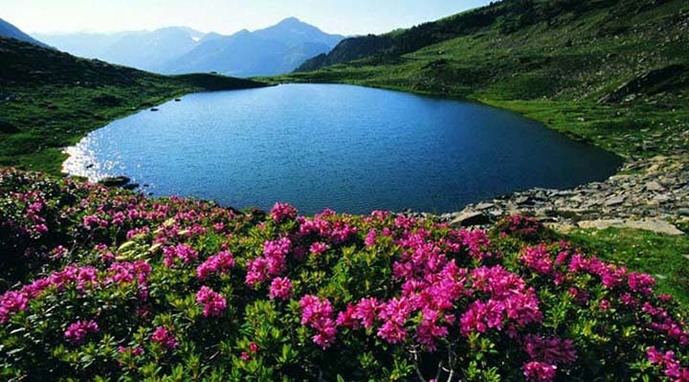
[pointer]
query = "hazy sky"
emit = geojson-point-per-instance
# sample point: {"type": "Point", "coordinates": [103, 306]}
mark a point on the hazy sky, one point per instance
{"type": "Point", "coordinates": [224, 16]}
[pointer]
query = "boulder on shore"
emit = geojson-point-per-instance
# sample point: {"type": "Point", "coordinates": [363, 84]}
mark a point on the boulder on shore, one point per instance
{"type": "Point", "coordinates": [115, 181]}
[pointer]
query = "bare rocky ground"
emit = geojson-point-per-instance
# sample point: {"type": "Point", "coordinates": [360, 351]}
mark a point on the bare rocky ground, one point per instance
{"type": "Point", "coordinates": [650, 194]}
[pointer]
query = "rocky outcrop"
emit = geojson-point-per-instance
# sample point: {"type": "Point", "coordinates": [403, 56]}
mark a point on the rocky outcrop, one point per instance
{"type": "Point", "coordinates": [651, 194]}
{"type": "Point", "coordinates": [651, 82]}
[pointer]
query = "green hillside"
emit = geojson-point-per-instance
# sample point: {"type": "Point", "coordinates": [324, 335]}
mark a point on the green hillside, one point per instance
{"type": "Point", "coordinates": [614, 72]}
{"type": "Point", "coordinates": [49, 99]}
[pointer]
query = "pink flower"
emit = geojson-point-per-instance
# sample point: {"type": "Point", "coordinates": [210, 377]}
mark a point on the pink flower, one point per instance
{"type": "Point", "coordinates": [346, 318]}
{"type": "Point", "coordinates": [180, 251]}
{"type": "Point", "coordinates": [220, 263]}
{"type": "Point", "coordinates": [552, 350]}
{"type": "Point", "coordinates": [539, 371]}
{"type": "Point", "coordinates": [271, 264]}
{"type": "Point", "coordinates": [282, 212]}
{"type": "Point", "coordinates": [317, 313]}
{"type": "Point", "coordinates": [76, 332]}
{"type": "Point", "coordinates": [641, 282]}
{"type": "Point", "coordinates": [668, 361]}
{"type": "Point", "coordinates": [92, 221]}
{"type": "Point", "coordinates": [214, 304]}
{"type": "Point", "coordinates": [280, 288]}
{"type": "Point", "coordinates": [58, 252]}
{"type": "Point", "coordinates": [604, 305]}
{"type": "Point", "coordinates": [127, 272]}
{"type": "Point", "coordinates": [164, 337]}
{"type": "Point", "coordinates": [538, 259]}
{"type": "Point", "coordinates": [371, 238]}
{"type": "Point", "coordinates": [11, 303]}
{"type": "Point", "coordinates": [318, 248]}
{"type": "Point", "coordinates": [253, 347]}
{"type": "Point", "coordinates": [366, 312]}
{"type": "Point", "coordinates": [134, 351]}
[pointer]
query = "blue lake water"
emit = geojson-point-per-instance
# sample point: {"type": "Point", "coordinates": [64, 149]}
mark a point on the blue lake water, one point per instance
{"type": "Point", "coordinates": [352, 149]}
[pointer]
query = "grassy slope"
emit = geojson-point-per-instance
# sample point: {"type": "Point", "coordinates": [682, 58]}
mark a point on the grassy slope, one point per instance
{"type": "Point", "coordinates": [555, 69]}
{"type": "Point", "coordinates": [49, 100]}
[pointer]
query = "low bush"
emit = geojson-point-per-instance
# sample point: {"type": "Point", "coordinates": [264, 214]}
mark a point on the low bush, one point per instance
{"type": "Point", "coordinates": [107, 284]}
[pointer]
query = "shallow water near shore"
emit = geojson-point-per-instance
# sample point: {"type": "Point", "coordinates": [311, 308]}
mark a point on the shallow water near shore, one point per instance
{"type": "Point", "coordinates": [349, 148]}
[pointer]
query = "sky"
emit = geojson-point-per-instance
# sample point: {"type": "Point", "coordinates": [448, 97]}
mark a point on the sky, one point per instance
{"type": "Point", "coordinates": [348, 17]}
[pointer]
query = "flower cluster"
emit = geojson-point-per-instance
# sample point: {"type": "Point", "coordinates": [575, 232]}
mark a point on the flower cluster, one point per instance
{"type": "Point", "coordinates": [522, 226]}
{"type": "Point", "coordinates": [271, 264]}
{"type": "Point", "coordinates": [669, 363]}
{"type": "Point", "coordinates": [164, 337]}
{"type": "Point", "coordinates": [214, 304]}
{"type": "Point", "coordinates": [280, 288]}
{"type": "Point", "coordinates": [12, 302]}
{"type": "Point", "coordinates": [539, 371]}
{"type": "Point", "coordinates": [182, 252]}
{"type": "Point", "coordinates": [218, 264]}
{"type": "Point", "coordinates": [76, 332]}
{"type": "Point", "coordinates": [282, 212]}
{"type": "Point", "coordinates": [511, 302]}
{"type": "Point", "coordinates": [317, 313]}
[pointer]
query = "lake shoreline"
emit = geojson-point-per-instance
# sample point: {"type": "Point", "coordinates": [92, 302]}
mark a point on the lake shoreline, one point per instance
{"type": "Point", "coordinates": [650, 194]}
{"type": "Point", "coordinates": [630, 204]}
{"type": "Point", "coordinates": [427, 154]}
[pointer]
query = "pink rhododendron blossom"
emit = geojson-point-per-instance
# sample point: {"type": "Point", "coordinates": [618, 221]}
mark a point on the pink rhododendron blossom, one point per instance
{"type": "Point", "coordinates": [214, 304]}
{"type": "Point", "coordinates": [317, 314]}
{"type": "Point", "coordinates": [11, 303]}
{"type": "Point", "coordinates": [641, 283]}
{"type": "Point", "coordinates": [346, 318]}
{"type": "Point", "coordinates": [164, 337]}
{"type": "Point", "coordinates": [526, 227]}
{"type": "Point", "coordinates": [552, 350]}
{"type": "Point", "coordinates": [604, 304]}
{"type": "Point", "coordinates": [182, 252]}
{"type": "Point", "coordinates": [537, 259]}
{"type": "Point", "coordinates": [669, 363]}
{"type": "Point", "coordinates": [318, 248]}
{"type": "Point", "coordinates": [271, 264]}
{"type": "Point", "coordinates": [76, 332]}
{"type": "Point", "coordinates": [366, 312]}
{"type": "Point", "coordinates": [218, 264]}
{"type": "Point", "coordinates": [539, 371]}
{"type": "Point", "coordinates": [280, 288]}
{"type": "Point", "coordinates": [282, 212]}
{"type": "Point", "coordinates": [371, 238]}
{"type": "Point", "coordinates": [127, 272]}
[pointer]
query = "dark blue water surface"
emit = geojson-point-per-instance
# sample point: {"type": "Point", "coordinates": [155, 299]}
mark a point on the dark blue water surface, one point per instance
{"type": "Point", "coordinates": [352, 149]}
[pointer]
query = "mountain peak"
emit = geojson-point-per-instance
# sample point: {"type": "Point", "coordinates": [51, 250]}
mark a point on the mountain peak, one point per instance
{"type": "Point", "coordinates": [291, 21]}
{"type": "Point", "coordinates": [8, 30]}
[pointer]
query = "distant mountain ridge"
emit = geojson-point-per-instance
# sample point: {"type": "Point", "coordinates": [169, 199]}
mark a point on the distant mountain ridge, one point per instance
{"type": "Point", "coordinates": [10, 31]}
{"type": "Point", "coordinates": [274, 50]}
{"type": "Point", "coordinates": [174, 50]}
{"type": "Point", "coordinates": [146, 50]}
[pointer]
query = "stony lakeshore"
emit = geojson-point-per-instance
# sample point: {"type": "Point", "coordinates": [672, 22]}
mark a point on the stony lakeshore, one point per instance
{"type": "Point", "coordinates": [650, 194]}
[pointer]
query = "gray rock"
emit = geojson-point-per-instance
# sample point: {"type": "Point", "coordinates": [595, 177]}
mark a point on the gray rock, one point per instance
{"type": "Point", "coordinates": [115, 181]}
{"type": "Point", "coordinates": [615, 201]}
{"type": "Point", "coordinates": [654, 186]}
{"type": "Point", "coordinates": [470, 218]}
{"type": "Point", "coordinates": [484, 206]}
